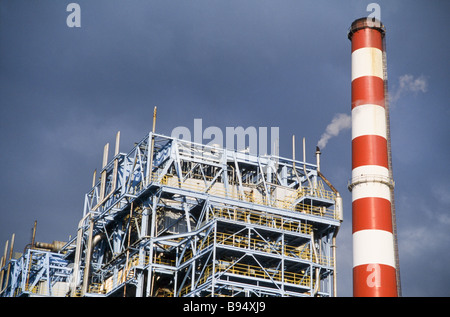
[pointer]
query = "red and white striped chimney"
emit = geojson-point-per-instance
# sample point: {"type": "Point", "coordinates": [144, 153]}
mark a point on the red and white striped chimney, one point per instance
{"type": "Point", "coordinates": [374, 268]}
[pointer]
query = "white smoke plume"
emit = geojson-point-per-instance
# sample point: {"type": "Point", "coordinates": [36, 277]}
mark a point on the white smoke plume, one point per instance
{"type": "Point", "coordinates": [407, 83]}
{"type": "Point", "coordinates": [340, 122]}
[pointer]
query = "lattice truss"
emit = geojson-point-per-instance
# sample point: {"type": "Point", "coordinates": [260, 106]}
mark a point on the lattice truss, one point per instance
{"type": "Point", "coordinates": [199, 220]}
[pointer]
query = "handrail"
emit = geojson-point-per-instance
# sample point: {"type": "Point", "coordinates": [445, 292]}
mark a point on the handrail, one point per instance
{"type": "Point", "coordinates": [300, 252]}
{"type": "Point", "coordinates": [288, 203]}
{"type": "Point", "coordinates": [253, 271]}
{"type": "Point", "coordinates": [273, 221]}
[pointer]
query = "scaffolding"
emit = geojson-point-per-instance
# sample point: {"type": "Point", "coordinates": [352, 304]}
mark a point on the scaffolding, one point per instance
{"type": "Point", "coordinates": [195, 220]}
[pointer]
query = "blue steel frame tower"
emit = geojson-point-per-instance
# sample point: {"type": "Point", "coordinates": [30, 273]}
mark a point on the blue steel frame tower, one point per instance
{"type": "Point", "coordinates": [196, 220]}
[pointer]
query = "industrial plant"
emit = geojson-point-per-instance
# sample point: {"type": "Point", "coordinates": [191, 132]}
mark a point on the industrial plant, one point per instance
{"type": "Point", "coordinates": [175, 218]}
{"type": "Point", "coordinates": [195, 220]}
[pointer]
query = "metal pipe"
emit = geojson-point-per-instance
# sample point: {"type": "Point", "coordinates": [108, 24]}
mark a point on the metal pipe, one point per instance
{"type": "Point", "coordinates": [32, 246]}
{"type": "Point", "coordinates": [103, 176]}
{"type": "Point", "coordinates": [9, 264]}
{"type": "Point", "coordinates": [94, 176]}
{"type": "Point", "coordinates": [34, 234]}
{"type": "Point", "coordinates": [150, 158]}
{"type": "Point", "coordinates": [77, 259]}
{"type": "Point", "coordinates": [313, 246]}
{"type": "Point", "coordinates": [56, 246]}
{"type": "Point", "coordinates": [43, 245]}
{"type": "Point", "coordinates": [1, 270]}
{"type": "Point", "coordinates": [12, 247]}
{"type": "Point", "coordinates": [103, 198]}
{"type": "Point", "coordinates": [334, 246]}
{"type": "Point", "coordinates": [293, 161]}
{"type": "Point", "coordinates": [87, 264]}
{"type": "Point", "coordinates": [125, 272]}
{"type": "Point", "coordinates": [97, 239]}
{"type": "Point", "coordinates": [327, 182]}
{"type": "Point", "coordinates": [304, 165]}
{"type": "Point", "coordinates": [318, 158]}
{"type": "Point", "coordinates": [2, 263]}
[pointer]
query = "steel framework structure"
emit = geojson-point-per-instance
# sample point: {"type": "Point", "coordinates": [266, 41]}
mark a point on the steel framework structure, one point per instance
{"type": "Point", "coordinates": [196, 220]}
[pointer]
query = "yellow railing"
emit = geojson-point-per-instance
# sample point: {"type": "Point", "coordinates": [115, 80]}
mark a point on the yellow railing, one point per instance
{"type": "Point", "coordinates": [134, 261]}
{"type": "Point", "coordinates": [316, 192]}
{"type": "Point", "coordinates": [34, 290]}
{"type": "Point", "coordinates": [301, 252]}
{"type": "Point", "coordinates": [78, 292]}
{"type": "Point", "coordinates": [252, 197]}
{"type": "Point", "coordinates": [258, 272]}
{"type": "Point", "coordinates": [164, 261]}
{"type": "Point", "coordinates": [249, 194]}
{"type": "Point", "coordinates": [254, 217]}
{"type": "Point", "coordinates": [123, 275]}
{"type": "Point", "coordinates": [254, 272]}
{"type": "Point", "coordinates": [163, 292]}
{"type": "Point", "coordinates": [260, 245]}
{"type": "Point", "coordinates": [97, 288]}
{"type": "Point", "coordinates": [315, 210]}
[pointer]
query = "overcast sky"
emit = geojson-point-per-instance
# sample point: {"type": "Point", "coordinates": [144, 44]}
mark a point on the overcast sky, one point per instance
{"type": "Point", "coordinates": [65, 92]}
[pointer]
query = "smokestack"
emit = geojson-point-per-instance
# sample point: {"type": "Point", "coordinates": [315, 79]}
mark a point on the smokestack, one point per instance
{"type": "Point", "coordinates": [318, 158]}
{"type": "Point", "coordinates": [374, 264]}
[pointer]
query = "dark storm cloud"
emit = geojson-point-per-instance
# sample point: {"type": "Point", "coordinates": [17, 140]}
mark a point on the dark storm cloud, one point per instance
{"type": "Point", "coordinates": [65, 92]}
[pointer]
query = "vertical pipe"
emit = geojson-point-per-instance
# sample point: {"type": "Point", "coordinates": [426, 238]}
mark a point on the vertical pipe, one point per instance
{"type": "Point", "coordinates": [87, 268]}
{"type": "Point", "coordinates": [12, 246]}
{"type": "Point", "coordinates": [304, 150]}
{"type": "Point", "coordinates": [315, 260]}
{"type": "Point", "coordinates": [293, 162]}
{"type": "Point", "coordinates": [116, 163]}
{"type": "Point", "coordinates": [125, 269]}
{"type": "Point", "coordinates": [94, 176]}
{"type": "Point", "coordinates": [152, 146]}
{"type": "Point", "coordinates": [3, 262]}
{"type": "Point", "coordinates": [103, 178]}
{"type": "Point", "coordinates": [318, 158]}
{"type": "Point", "coordinates": [77, 259]}
{"type": "Point", "coordinates": [34, 234]}
{"type": "Point", "coordinates": [334, 264]}
{"type": "Point", "coordinates": [102, 198]}
{"type": "Point", "coordinates": [30, 258]}
{"type": "Point", "coordinates": [153, 229]}
{"type": "Point", "coordinates": [293, 151]}
{"type": "Point", "coordinates": [374, 269]}
{"type": "Point", "coordinates": [304, 165]}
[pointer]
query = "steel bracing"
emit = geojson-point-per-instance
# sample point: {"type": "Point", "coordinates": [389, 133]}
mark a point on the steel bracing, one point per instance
{"type": "Point", "coordinates": [197, 220]}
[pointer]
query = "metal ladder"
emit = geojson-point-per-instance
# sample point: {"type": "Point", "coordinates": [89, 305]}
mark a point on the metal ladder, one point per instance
{"type": "Point", "coordinates": [389, 152]}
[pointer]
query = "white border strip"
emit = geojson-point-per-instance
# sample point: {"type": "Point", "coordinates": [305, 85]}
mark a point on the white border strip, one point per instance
{"type": "Point", "coordinates": [373, 247]}
{"type": "Point", "coordinates": [367, 61]}
{"type": "Point", "coordinates": [368, 120]}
